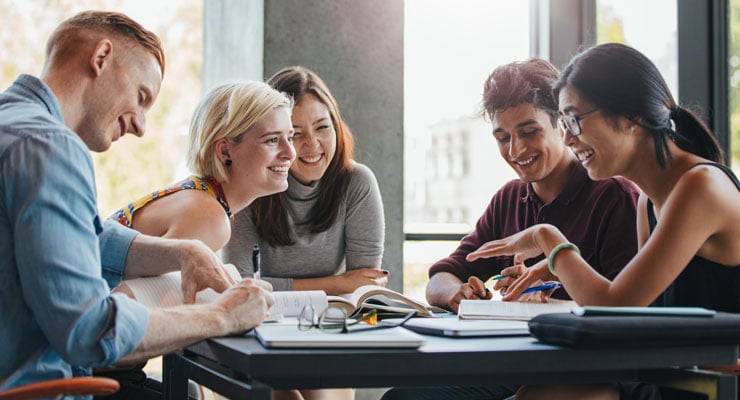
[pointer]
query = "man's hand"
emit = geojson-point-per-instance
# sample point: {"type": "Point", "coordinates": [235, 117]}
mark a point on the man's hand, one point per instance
{"type": "Point", "coordinates": [201, 268]}
{"type": "Point", "coordinates": [247, 304]}
{"type": "Point", "coordinates": [239, 308]}
{"type": "Point", "coordinates": [518, 277]}
{"type": "Point", "coordinates": [474, 289]}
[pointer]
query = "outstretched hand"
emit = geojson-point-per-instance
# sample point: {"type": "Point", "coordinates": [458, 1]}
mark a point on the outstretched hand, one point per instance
{"type": "Point", "coordinates": [522, 243]}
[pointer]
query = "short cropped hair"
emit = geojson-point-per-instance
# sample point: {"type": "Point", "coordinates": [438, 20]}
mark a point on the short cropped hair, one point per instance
{"type": "Point", "coordinates": [66, 36]}
{"type": "Point", "coordinates": [228, 111]}
{"type": "Point", "coordinates": [521, 82]}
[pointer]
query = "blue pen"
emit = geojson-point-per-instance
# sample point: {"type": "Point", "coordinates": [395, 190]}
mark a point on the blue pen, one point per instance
{"type": "Point", "coordinates": [546, 286]}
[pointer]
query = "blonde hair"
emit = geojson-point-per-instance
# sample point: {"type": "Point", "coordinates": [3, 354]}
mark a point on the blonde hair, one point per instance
{"type": "Point", "coordinates": [228, 111]}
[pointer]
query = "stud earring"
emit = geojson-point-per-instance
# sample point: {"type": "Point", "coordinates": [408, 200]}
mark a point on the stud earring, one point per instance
{"type": "Point", "coordinates": [227, 162]}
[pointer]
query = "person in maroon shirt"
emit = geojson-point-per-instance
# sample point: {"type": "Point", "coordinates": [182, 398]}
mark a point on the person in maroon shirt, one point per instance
{"type": "Point", "coordinates": [598, 216]}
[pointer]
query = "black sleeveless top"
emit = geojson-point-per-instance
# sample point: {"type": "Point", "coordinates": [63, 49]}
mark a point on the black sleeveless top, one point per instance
{"type": "Point", "coordinates": [703, 283]}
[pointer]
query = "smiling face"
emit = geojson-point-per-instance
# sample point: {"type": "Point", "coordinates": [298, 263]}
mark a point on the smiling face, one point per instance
{"type": "Point", "coordinates": [528, 142]}
{"type": "Point", "coordinates": [603, 147]}
{"type": "Point", "coordinates": [315, 139]}
{"type": "Point", "coordinates": [261, 161]}
{"type": "Point", "coordinates": [119, 98]}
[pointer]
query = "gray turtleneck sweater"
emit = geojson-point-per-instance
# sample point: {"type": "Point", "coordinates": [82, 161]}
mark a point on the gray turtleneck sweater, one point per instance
{"type": "Point", "coordinates": [354, 241]}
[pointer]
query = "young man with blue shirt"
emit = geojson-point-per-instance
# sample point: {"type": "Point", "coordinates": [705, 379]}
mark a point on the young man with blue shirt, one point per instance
{"type": "Point", "coordinates": [58, 260]}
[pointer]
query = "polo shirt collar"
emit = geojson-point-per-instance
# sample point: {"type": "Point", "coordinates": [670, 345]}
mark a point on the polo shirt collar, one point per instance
{"type": "Point", "coordinates": [577, 179]}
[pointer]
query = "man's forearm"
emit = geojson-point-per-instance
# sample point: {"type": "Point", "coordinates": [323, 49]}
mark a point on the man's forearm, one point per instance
{"type": "Point", "coordinates": [167, 330]}
{"type": "Point", "coordinates": [441, 288]}
{"type": "Point", "coordinates": [149, 255]}
{"type": "Point", "coordinates": [240, 308]}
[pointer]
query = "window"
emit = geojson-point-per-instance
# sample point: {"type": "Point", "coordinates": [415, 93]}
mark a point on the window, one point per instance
{"type": "Point", "coordinates": [134, 166]}
{"type": "Point", "coordinates": [452, 164]}
{"type": "Point", "coordinates": [633, 22]}
{"type": "Point", "coordinates": [734, 83]}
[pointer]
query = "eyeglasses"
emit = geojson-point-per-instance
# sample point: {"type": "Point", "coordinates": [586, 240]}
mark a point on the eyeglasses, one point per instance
{"type": "Point", "coordinates": [571, 123]}
{"type": "Point", "coordinates": [335, 320]}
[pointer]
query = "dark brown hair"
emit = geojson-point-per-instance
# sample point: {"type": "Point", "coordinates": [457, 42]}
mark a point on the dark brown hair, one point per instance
{"type": "Point", "coordinates": [621, 81]}
{"type": "Point", "coordinates": [521, 82]}
{"type": "Point", "coordinates": [270, 213]}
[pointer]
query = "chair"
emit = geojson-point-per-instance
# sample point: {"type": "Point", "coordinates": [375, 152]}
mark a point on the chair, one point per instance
{"type": "Point", "coordinates": [56, 388]}
{"type": "Point", "coordinates": [733, 369]}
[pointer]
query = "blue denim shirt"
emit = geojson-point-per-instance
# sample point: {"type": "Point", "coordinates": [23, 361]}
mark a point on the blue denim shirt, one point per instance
{"type": "Point", "coordinates": [58, 317]}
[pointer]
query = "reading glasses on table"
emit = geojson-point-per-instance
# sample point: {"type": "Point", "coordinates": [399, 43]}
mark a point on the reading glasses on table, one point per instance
{"type": "Point", "coordinates": [335, 320]}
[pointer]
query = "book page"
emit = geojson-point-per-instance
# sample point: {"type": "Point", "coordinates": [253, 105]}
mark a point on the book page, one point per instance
{"type": "Point", "coordinates": [157, 291]}
{"type": "Point", "coordinates": [290, 303]}
{"type": "Point", "coordinates": [365, 296]}
{"type": "Point", "coordinates": [166, 290]}
{"type": "Point", "coordinates": [493, 309]}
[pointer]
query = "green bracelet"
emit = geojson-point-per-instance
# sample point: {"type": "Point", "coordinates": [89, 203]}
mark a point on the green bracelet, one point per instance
{"type": "Point", "coordinates": [555, 252]}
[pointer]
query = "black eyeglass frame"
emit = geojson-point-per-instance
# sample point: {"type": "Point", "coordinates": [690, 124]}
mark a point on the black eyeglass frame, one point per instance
{"type": "Point", "coordinates": [572, 123]}
{"type": "Point", "coordinates": [344, 322]}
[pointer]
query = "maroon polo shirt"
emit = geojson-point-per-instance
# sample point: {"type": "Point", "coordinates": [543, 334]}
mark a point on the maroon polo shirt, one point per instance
{"type": "Point", "coordinates": [597, 216]}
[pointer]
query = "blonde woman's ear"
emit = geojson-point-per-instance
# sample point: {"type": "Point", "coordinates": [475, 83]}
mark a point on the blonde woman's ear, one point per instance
{"type": "Point", "coordinates": [222, 151]}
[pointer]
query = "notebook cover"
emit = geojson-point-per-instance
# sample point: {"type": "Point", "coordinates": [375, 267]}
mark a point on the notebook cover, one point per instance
{"type": "Point", "coordinates": [455, 327]}
{"type": "Point", "coordinates": [287, 335]}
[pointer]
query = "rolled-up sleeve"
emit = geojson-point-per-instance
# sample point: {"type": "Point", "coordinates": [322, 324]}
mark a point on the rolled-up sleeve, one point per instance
{"type": "Point", "coordinates": [57, 247]}
{"type": "Point", "coordinates": [115, 240]}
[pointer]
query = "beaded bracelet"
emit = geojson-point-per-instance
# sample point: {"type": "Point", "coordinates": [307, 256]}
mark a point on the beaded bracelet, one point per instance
{"type": "Point", "coordinates": [555, 252]}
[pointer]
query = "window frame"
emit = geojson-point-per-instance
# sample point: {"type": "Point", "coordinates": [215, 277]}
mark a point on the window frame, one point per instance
{"type": "Point", "coordinates": [703, 43]}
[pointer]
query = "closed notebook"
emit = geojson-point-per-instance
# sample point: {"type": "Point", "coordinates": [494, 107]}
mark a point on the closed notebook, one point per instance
{"type": "Point", "coordinates": [285, 334]}
{"type": "Point", "coordinates": [516, 310]}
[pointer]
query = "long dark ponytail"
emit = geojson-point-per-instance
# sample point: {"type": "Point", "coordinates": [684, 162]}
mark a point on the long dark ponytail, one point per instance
{"type": "Point", "coordinates": [621, 81]}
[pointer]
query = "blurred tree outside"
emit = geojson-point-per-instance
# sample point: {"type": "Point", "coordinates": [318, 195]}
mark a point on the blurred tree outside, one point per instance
{"type": "Point", "coordinates": [134, 166]}
{"type": "Point", "coordinates": [734, 72]}
{"type": "Point", "coordinates": [610, 26]}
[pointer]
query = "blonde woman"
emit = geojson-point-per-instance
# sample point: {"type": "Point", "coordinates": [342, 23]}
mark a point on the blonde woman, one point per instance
{"type": "Point", "coordinates": [240, 148]}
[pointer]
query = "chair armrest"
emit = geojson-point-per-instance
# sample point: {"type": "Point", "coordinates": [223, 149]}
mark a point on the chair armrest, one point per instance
{"type": "Point", "coordinates": [96, 386]}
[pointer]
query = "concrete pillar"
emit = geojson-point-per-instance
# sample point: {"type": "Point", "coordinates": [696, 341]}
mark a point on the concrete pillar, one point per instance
{"type": "Point", "coordinates": [357, 48]}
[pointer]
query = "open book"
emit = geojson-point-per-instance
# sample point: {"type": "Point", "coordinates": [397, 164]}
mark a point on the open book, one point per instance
{"type": "Point", "coordinates": [387, 302]}
{"type": "Point", "coordinates": [166, 291]}
{"type": "Point", "coordinates": [494, 309]}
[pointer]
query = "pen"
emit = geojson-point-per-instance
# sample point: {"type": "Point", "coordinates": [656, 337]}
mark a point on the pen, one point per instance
{"type": "Point", "coordinates": [546, 286]}
{"type": "Point", "coordinates": [256, 261]}
{"type": "Point", "coordinates": [499, 277]}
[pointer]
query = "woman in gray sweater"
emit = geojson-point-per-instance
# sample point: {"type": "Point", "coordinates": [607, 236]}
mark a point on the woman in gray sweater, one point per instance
{"type": "Point", "coordinates": [326, 231]}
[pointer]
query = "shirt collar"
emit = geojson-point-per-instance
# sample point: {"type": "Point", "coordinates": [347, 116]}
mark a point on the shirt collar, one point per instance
{"type": "Point", "coordinates": [32, 87]}
{"type": "Point", "coordinates": [577, 179]}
